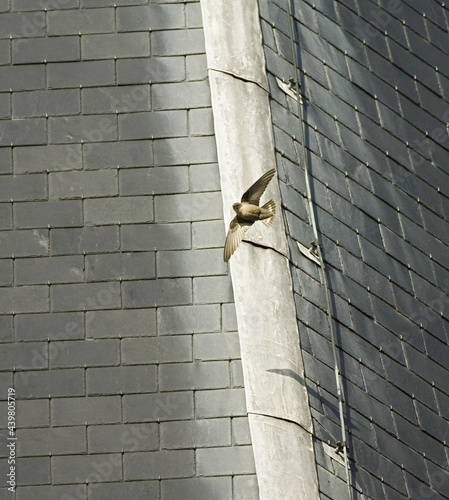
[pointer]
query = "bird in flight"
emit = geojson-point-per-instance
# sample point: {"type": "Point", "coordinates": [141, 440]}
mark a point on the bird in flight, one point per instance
{"type": "Point", "coordinates": [248, 212]}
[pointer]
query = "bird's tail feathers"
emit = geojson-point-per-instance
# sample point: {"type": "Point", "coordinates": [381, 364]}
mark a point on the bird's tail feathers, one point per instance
{"type": "Point", "coordinates": [271, 206]}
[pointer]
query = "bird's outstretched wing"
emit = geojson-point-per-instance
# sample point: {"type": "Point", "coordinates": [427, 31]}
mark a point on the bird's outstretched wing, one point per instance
{"type": "Point", "coordinates": [253, 194]}
{"type": "Point", "coordinates": [236, 232]}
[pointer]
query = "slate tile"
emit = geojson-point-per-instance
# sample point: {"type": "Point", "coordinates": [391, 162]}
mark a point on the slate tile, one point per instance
{"type": "Point", "coordinates": [47, 213]}
{"type": "Point", "coordinates": [120, 45]}
{"type": "Point", "coordinates": [177, 42]}
{"type": "Point", "coordinates": [118, 154]}
{"type": "Point", "coordinates": [153, 17]}
{"type": "Point", "coordinates": [121, 99]}
{"type": "Point", "coordinates": [154, 70]}
{"type": "Point", "coordinates": [432, 423]}
{"type": "Point", "coordinates": [88, 128]}
{"type": "Point", "coordinates": [62, 22]}
{"type": "Point", "coordinates": [156, 236]}
{"type": "Point", "coordinates": [23, 132]}
{"type": "Point", "coordinates": [47, 158]}
{"type": "Point", "coordinates": [157, 124]}
{"type": "Point", "coordinates": [63, 48]}
{"type": "Point", "coordinates": [85, 73]}
{"type": "Point", "coordinates": [162, 292]}
{"type": "Point", "coordinates": [84, 240]}
{"type": "Point", "coordinates": [43, 102]}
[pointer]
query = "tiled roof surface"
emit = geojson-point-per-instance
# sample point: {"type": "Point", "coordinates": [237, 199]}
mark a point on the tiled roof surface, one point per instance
{"type": "Point", "coordinates": [375, 78]}
{"type": "Point", "coordinates": [117, 319]}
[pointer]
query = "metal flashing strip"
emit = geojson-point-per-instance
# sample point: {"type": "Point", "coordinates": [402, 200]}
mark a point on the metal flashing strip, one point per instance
{"type": "Point", "coordinates": [276, 397]}
{"type": "Point", "coordinates": [307, 175]}
{"type": "Point", "coordinates": [310, 253]}
{"type": "Point", "coordinates": [288, 89]}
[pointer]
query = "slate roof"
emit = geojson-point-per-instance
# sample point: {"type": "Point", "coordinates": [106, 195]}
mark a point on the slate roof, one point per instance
{"type": "Point", "coordinates": [117, 317]}
{"type": "Point", "coordinates": [375, 79]}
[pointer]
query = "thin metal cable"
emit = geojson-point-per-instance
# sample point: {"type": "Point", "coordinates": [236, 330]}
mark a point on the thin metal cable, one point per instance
{"type": "Point", "coordinates": [320, 256]}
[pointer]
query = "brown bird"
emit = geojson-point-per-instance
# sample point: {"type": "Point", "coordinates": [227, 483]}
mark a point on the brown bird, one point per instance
{"type": "Point", "coordinates": [248, 212]}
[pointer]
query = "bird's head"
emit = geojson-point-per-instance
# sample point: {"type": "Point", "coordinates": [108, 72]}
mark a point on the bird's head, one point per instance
{"type": "Point", "coordinates": [236, 207]}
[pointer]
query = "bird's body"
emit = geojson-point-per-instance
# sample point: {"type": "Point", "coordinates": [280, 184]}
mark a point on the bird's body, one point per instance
{"type": "Point", "coordinates": [248, 212]}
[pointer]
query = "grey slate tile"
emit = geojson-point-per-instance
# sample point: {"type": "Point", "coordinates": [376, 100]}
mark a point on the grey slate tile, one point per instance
{"type": "Point", "coordinates": [50, 157]}
{"type": "Point", "coordinates": [78, 411]}
{"type": "Point", "coordinates": [190, 263]}
{"type": "Point", "coordinates": [85, 73]}
{"type": "Point", "coordinates": [121, 323]}
{"type": "Point", "coordinates": [141, 351]}
{"type": "Point", "coordinates": [156, 180]}
{"type": "Point", "coordinates": [158, 124]}
{"type": "Point", "coordinates": [5, 107]}
{"type": "Point", "coordinates": [23, 132]}
{"type": "Point", "coordinates": [161, 292]}
{"type": "Point", "coordinates": [34, 271]}
{"type": "Point", "coordinates": [196, 67]}
{"type": "Point", "coordinates": [79, 353]}
{"type": "Point", "coordinates": [195, 376]}
{"type": "Point", "coordinates": [7, 332]}
{"type": "Point", "coordinates": [233, 460]}
{"type": "Point", "coordinates": [121, 379]}
{"type": "Point", "coordinates": [151, 17]}
{"type": "Point", "coordinates": [122, 154]}
{"type": "Point", "coordinates": [210, 289]}
{"type": "Point", "coordinates": [120, 437]}
{"type": "Point", "coordinates": [35, 470]}
{"type": "Point", "coordinates": [129, 489]}
{"type": "Point", "coordinates": [189, 319]}
{"type": "Point", "coordinates": [50, 383]}
{"type": "Point", "coordinates": [47, 441]}
{"type": "Point", "coordinates": [180, 151]}
{"type": "Point", "coordinates": [220, 403]}
{"type": "Point", "coordinates": [37, 50]}
{"type": "Point", "coordinates": [29, 355]}
{"type": "Point", "coordinates": [158, 407]}
{"type": "Point", "coordinates": [35, 413]}
{"type": "Point", "coordinates": [24, 299]}
{"type": "Point", "coordinates": [24, 243]}
{"type": "Point", "coordinates": [43, 102]}
{"type": "Point", "coordinates": [92, 468]}
{"type": "Point", "coordinates": [185, 207]}
{"type": "Point", "coordinates": [62, 22]}
{"type": "Point", "coordinates": [126, 266]}
{"type": "Point", "coordinates": [83, 184]}
{"type": "Point", "coordinates": [22, 25]}
{"type": "Point", "coordinates": [155, 237]}
{"type": "Point", "coordinates": [6, 160]}
{"type": "Point", "coordinates": [88, 128]}
{"type": "Point", "coordinates": [84, 240]}
{"type": "Point", "coordinates": [120, 45]}
{"type": "Point", "coordinates": [122, 99]}
{"type": "Point", "coordinates": [154, 70]}
{"type": "Point", "coordinates": [24, 5]}
{"type": "Point", "coordinates": [6, 215]}
{"type": "Point", "coordinates": [208, 234]}
{"type": "Point", "coordinates": [164, 464]}
{"type": "Point", "coordinates": [177, 42]}
{"type": "Point", "coordinates": [47, 213]}
{"type": "Point", "coordinates": [124, 210]}
{"type": "Point", "coordinates": [89, 296]}
{"type": "Point", "coordinates": [216, 346]}
{"type": "Point", "coordinates": [23, 77]}
{"type": "Point", "coordinates": [183, 95]}
{"type": "Point", "coordinates": [200, 488]}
